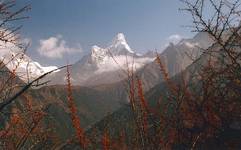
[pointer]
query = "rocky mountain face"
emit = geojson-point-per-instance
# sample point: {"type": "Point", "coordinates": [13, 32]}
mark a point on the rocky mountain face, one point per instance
{"type": "Point", "coordinates": [176, 57]}
{"type": "Point", "coordinates": [92, 105]}
{"type": "Point", "coordinates": [100, 71]}
{"type": "Point", "coordinates": [110, 65]}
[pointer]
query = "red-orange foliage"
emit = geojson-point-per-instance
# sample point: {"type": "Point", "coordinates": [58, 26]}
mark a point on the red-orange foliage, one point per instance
{"type": "Point", "coordinates": [172, 87]}
{"type": "Point", "coordinates": [144, 105]}
{"type": "Point", "coordinates": [24, 127]}
{"type": "Point", "coordinates": [74, 114]}
{"type": "Point", "coordinates": [141, 95]}
{"type": "Point", "coordinates": [106, 141]}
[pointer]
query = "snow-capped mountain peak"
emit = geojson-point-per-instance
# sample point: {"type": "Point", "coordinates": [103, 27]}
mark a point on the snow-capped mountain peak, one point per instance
{"type": "Point", "coordinates": [25, 68]}
{"type": "Point", "coordinates": [119, 45]}
{"type": "Point", "coordinates": [17, 61]}
{"type": "Point", "coordinates": [98, 51]}
{"type": "Point", "coordinates": [117, 56]}
{"type": "Point", "coordinates": [98, 54]}
{"type": "Point", "coordinates": [106, 65]}
{"type": "Point", "coordinates": [119, 38]}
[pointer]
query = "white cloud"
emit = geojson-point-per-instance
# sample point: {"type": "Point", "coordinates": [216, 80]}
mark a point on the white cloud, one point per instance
{"type": "Point", "coordinates": [56, 47]}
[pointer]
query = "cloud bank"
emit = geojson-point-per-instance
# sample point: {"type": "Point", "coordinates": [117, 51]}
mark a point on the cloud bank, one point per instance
{"type": "Point", "coordinates": [55, 47]}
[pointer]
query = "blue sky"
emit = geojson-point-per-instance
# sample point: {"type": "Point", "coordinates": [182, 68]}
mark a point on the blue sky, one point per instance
{"type": "Point", "coordinates": [79, 24]}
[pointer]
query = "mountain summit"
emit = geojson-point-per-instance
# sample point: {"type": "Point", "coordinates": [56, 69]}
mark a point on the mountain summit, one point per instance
{"type": "Point", "coordinates": [105, 65]}
{"type": "Point", "coordinates": [119, 45]}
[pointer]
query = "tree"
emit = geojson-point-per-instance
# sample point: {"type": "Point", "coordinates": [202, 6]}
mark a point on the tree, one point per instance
{"type": "Point", "coordinates": [22, 125]}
